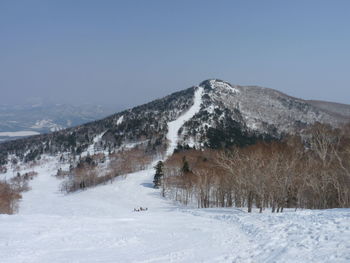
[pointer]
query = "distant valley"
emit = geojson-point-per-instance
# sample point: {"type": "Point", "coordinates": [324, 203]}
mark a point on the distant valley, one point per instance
{"type": "Point", "coordinates": [17, 121]}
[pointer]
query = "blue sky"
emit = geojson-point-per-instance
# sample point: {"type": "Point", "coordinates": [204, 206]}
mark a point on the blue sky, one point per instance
{"type": "Point", "coordinates": [125, 53]}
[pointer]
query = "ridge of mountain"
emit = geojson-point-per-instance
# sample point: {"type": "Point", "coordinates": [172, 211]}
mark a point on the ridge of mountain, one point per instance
{"type": "Point", "coordinates": [339, 109]}
{"type": "Point", "coordinates": [229, 115]}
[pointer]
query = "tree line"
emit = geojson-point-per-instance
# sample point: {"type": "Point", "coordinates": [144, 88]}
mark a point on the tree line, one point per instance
{"type": "Point", "coordinates": [90, 170]}
{"type": "Point", "coordinates": [310, 171]}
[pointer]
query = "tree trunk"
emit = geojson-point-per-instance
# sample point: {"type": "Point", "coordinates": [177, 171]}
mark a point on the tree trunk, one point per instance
{"type": "Point", "coordinates": [250, 202]}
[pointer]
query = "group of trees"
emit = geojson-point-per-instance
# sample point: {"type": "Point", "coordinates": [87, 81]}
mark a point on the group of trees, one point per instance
{"type": "Point", "coordinates": [9, 198]}
{"type": "Point", "coordinates": [313, 172]}
{"type": "Point", "coordinates": [91, 171]}
{"type": "Point", "coordinates": [10, 192]}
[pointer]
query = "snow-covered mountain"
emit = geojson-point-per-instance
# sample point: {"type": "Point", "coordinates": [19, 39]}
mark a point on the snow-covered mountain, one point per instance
{"type": "Point", "coordinates": [227, 115]}
{"type": "Point", "coordinates": [255, 111]}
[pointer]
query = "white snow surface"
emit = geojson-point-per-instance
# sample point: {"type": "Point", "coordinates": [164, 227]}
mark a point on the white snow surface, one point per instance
{"type": "Point", "coordinates": [120, 119]}
{"type": "Point", "coordinates": [99, 225]}
{"type": "Point", "coordinates": [19, 133]}
{"type": "Point", "coordinates": [220, 84]}
{"type": "Point", "coordinates": [174, 126]}
{"type": "Point", "coordinates": [91, 150]}
{"type": "Point", "coordinates": [47, 124]}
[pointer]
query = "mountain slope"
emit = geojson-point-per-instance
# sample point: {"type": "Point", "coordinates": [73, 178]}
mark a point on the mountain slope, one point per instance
{"type": "Point", "coordinates": [254, 111]}
{"type": "Point", "coordinates": [100, 224]}
{"type": "Point", "coordinates": [337, 109]}
{"type": "Point", "coordinates": [228, 115]}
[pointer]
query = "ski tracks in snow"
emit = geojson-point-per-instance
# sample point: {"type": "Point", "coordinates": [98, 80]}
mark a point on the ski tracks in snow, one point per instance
{"type": "Point", "coordinates": [302, 236]}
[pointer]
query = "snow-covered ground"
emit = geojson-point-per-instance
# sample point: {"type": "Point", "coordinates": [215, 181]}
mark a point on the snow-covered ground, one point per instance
{"type": "Point", "coordinates": [99, 225]}
{"type": "Point", "coordinates": [47, 123]}
{"type": "Point", "coordinates": [19, 133]}
{"type": "Point", "coordinates": [91, 149]}
{"type": "Point", "coordinates": [174, 126]}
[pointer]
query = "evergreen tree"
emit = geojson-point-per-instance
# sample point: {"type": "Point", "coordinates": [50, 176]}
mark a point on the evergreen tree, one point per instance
{"type": "Point", "coordinates": [185, 166]}
{"type": "Point", "coordinates": [158, 175]}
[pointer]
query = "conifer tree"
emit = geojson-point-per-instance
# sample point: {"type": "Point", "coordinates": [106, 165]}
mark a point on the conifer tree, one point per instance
{"type": "Point", "coordinates": [185, 166]}
{"type": "Point", "coordinates": [158, 175]}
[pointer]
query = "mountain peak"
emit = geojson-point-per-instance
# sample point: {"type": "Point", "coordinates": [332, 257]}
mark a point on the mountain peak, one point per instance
{"type": "Point", "coordinates": [211, 84]}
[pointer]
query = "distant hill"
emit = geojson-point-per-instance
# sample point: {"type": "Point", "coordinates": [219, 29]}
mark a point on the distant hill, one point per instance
{"type": "Point", "coordinates": [339, 109]}
{"type": "Point", "coordinates": [23, 120]}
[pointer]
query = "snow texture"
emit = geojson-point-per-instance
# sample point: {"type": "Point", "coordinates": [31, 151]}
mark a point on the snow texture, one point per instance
{"type": "Point", "coordinates": [47, 124]}
{"type": "Point", "coordinates": [19, 133]}
{"type": "Point", "coordinates": [92, 147]}
{"type": "Point", "coordinates": [120, 120]}
{"type": "Point", "coordinates": [174, 126]}
{"type": "Point", "coordinates": [99, 225]}
{"type": "Point", "coordinates": [223, 85]}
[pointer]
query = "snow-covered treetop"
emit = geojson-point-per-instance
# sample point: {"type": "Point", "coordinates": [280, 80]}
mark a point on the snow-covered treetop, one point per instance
{"type": "Point", "coordinates": [218, 84]}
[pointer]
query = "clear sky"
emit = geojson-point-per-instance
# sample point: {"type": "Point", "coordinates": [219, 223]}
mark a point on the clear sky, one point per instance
{"type": "Point", "coordinates": [128, 52]}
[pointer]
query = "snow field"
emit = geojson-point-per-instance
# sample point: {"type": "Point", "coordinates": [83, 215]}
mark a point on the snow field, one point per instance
{"type": "Point", "coordinates": [99, 225]}
{"type": "Point", "coordinates": [19, 133]}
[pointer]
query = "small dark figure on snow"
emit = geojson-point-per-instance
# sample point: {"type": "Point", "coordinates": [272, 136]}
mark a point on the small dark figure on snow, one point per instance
{"type": "Point", "coordinates": [140, 209]}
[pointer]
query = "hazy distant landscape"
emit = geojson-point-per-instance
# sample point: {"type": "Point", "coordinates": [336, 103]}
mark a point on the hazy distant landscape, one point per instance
{"type": "Point", "coordinates": [17, 121]}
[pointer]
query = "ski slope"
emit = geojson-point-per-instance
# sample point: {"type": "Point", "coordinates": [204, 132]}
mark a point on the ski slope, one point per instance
{"type": "Point", "coordinates": [174, 126]}
{"type": "Point", "coordinates": [99, 225]}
